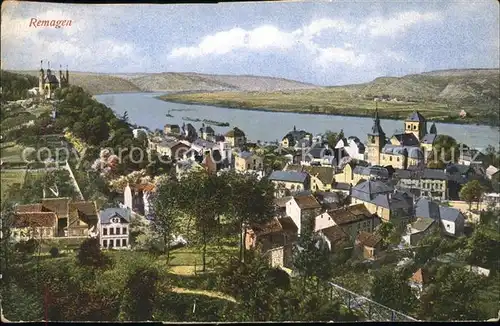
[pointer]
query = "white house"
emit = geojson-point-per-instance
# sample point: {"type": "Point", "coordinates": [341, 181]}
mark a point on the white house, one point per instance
{"type": "Point", "coordinates": [353, 147]}
{"type": "Point", "coordinates": [303, 209]}
{"type": "Point", "coordinates": [452, 220]}
{"type": "Point", "coordinates": [113, 228]}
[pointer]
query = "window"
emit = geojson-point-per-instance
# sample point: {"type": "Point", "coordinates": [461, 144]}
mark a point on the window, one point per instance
{"type": "Point", "coordinates": [414, 127]}
{"type": "Point", "coordinates": [117, 230]}
{"type": "Point", "coordinates": [248, 166]}
{"type": "Point", "coordinates": [397, 158]}
{"type": "Point", "coordinates": [124, 231]}
{"type": "Point", "coordinates": [117, 244]}
{"type": "Point", "coordinates": [390, 158]}
{"type": "Point", "coordinates": [105, 243]}
{"type": "Point", "coordinates": [104, 231]}
{"type": "Point", "coordinates": [111, 242]}
{"type": "Point", "coordinates": [111, 231]}
{"type": "Point", "coordinates": [124, 242]}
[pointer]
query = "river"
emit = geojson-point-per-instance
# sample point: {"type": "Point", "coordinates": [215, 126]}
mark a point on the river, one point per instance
{"type": "Point", "coordinates": [145, 110]}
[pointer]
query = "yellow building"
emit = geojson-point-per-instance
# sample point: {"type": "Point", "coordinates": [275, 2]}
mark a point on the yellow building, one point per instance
{"type": "Point", "coordinates": [322, 177]}
{"type": "Point", "coordinates": [236, 137]}
{"type": "Point", "coordinates": [48, 83]}
{"type": "Point", "coordinates": [416, 124]}
{"type": "Point", "coordinates": [289, 182]}
{"type": "Point", "coordinates": [246, 161]}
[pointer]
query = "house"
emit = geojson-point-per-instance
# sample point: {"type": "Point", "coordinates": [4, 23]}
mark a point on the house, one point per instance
{"type": "Point", "coordinates": [207, 133]}
{"type": "Point", "coordinates": [373, 172]}
{"type": "Point", "coordinates": [114, 228]}
{"type": "Point", "coordinates": [380, 198]}
{"type": "Point", "coordinates": [34, 225]}
{"type": "Point", "coordinates": [328, 200]}
{"type": "Point", "coordinates": [334, 235]}
{"type": "Point", "coordinates": [303, 210]}
{"type": "Point", "coordinates": [452, 221]}
{"type": "Point", "coordinates": [351, 219]}
{"type": "Point", "coordinates": [296, 138]}
{"type": "Point", "coordinates": [470, 156]}
{"type": "Point", "coordinates": [370, 244]}
{"type": "Point", "coordinates": [418, 230]}
{"type": "Point", "coordinates": [432, 183]}
{"type": "Point", "coordinates": [201, 145]}
{"type": "Point", "coordinates": [189, 131]}
{"type": "Point", "coordinates": [348, 172]}
{"type": "Point", "coordinates": [236, 137]}
{"type": "Point", "coordinates": [172, 149]}
{"type": "Point", "coordinates": [418, 280]}
{"type": "Point", "coordinates": [352, 146]}
{"type": "Point", "coordinates": [72, 218]}
{"type": "Point", "coordinates": [248, 161]}
{"type": "Point", "coordinates": [170, 129]}
{"type": "Point", "coordinates": [322, 177]}
{"type": "Point", "coordinates": [288, 182]}
{"type": "Point", "coordinates": [491, 172]}
{"type": "Point", "coordinates": [321, 154]}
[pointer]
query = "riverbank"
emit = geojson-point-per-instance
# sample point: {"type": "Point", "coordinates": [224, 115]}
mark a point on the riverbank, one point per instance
{"type": "Point", "coordinates": [385, 111]}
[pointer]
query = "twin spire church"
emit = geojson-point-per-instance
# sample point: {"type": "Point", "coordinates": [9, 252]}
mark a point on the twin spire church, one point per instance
{"type": "Point", "coordinates": [48, 82]}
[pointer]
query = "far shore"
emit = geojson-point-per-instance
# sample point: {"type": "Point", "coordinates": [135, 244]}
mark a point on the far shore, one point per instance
{"type": "Point", "coordinates": [353, 114]}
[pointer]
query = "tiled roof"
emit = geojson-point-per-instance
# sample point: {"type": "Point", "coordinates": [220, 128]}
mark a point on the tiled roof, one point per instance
{"type": "Point", "coordinates": [367, 190]}
{"type": "Point", "coordinates": [87, 208]}
{"type": "Point", "coordinates": [491, 170]}
{"type": "Point", "coordinates": [416, 116]}
{"type": "Point", "coordinates": [270, 227]}
{"type": "Point", "coordinates": [294, 167]}
{"type": "Point", "coordinates": [319, 152]}
{"type": "Point", "coordinates": [307, 202]}
{"type": "Point", "coordinates": [149, 187]}
{"type": "Point", "coordinates": [29, 208]}
{"type": "Point", "coordinates": [35, 219]}
{"type": "Point", "coordinates": [459, 168]}
{"type": "Point", "coordinates": [427, 208]}
{"type": "Point", "coordinates": [418, 276]}
{"type": "Point", "coordinates": [431, 174]}
{"type": "Point", "coordinates": [60, 206]}
{"type": "Point", "coordinates": [288, 176]}
{"type": "Point", "coordinates": [410, 151]}
{"type": "Point", "coordinates": [288, 224]}
{"type": "Point", "coordinates": [106, 215]}
{"type": "Point", "coordinates": [368, 239]}
{"type": "Point", "coordinates": [204, 143]}
{"type": "Point", "coordinates": [335, 234]}
{"type": "Point", "coordinates": [350, 214]}
{"type": "Point", "coordinates": [374, 170]}
{"type": "Point", "coordinates": [341, 186]}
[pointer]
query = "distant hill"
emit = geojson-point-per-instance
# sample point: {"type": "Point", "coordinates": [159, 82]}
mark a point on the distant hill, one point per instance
{"type": "Point", "coordinates": [189, 82]}
{"type": "Point", "coordinates": [454, 86]}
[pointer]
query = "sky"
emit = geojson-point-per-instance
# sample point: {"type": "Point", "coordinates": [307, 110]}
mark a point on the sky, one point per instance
{"type": "Point", "coordinates": [321, 42]}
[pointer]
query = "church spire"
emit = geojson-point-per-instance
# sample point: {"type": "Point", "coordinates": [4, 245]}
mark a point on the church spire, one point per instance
{"type": "Point", "coordinates": [377, 129]}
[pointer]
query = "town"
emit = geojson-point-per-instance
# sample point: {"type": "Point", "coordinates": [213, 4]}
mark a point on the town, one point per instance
{"type": "Point", "coordinates": [401, 227]}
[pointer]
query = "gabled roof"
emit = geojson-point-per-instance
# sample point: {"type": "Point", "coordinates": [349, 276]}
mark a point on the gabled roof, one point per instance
{"type": "Point", "coordinates": [427, 208]}
{"type": "Point", "coordinates": [235, 132]}
{"type": "Point", "coordinates": [29, 208]}
{"type": "Point", "coordinates": [371, 188]}
{"type": "Point", "coordinates": [491, 171]}
{"type": "Point", "coordinates": [374, 170]}
{"type": "Point", "coordinates": [307, 202]}
{"type": "Point", "coordinates": [335, 234]}
{"type": "Point", "coordinates": [422, 224]}
{"type": "Point", "coordinates": [281, 202]}
{"type": "Point", "coordinates": [35, 219]}
{"type": "Point", "coordinates": [406, 139]}
{"type": "Point", "coordinates": [86, 208]}
{"type": "Point", "coordinates": [418, 277]}
{"type": "Point", "coordinates": [294, 167]}
{"type": "Point", "coordinates": [350, 214]}
{"type": "Point", "coordinates": [410, 151]}
{"type": "Point", "coordinates": [288, 176]}
{"type": "Point", "coordinates": [108, 213]}
{"type": "Point", "coordinates": [449, 213]}
{"type": "Point", "coordinates": [368, 239]}
{"type": "Point", "coordinates": [204, 143]}
{"type": "Point", "coordinates": [60, 206]}
{"type": "Point", "coordinates": [52, 79]}
{"type": "Point", "coordinates": [207, 130]}
{"type": "Point", "coordinates": [459, 169]}
{"type": "Point", "coordinates": [326, 174]}
{"type": "Point", "coordinates": [416, 116]}
{"type": "Point", "coordinates": [288, 224]}
{"type": "Point", "coordinates": [429, 139]}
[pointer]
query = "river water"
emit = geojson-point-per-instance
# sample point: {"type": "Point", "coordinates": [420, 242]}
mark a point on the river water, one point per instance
{"type": "Point", "coordinates": [145, 110]}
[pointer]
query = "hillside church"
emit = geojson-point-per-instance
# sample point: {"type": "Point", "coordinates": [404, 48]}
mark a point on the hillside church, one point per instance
{"type": "Point", "coordinates": [402, 150]}
{"type": "Point", "coordinates": [48, 83]}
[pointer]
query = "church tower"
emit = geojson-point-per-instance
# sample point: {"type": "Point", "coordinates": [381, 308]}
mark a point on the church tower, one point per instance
{"type": "Point", "coordinates": [376, 141]}
{"type": "Point", "coordinates": [41, 79]}
{"type": "Point", "coordinates": [416, 124]}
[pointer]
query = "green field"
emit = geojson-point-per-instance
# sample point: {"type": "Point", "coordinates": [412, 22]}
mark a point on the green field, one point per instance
{"type": "Point", "coordinates": [9, 178]}
{"type": "Point", "coordinates": [335, 101]}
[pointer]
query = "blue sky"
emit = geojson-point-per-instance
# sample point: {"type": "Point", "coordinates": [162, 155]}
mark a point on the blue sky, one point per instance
{"type": "Point", "coordinates": [321, 42]}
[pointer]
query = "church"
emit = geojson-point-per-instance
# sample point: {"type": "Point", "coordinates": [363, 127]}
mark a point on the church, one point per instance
{"type": "Point", "coordinates": [48, 82]}
{"type": "Point", "coordinates": [401, 150]}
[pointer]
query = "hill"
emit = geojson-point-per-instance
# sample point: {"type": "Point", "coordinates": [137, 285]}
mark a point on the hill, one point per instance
{"type": "Point", "coordinates": [439, 95]}
{"type": "Point", "coordinates": [95, 83]}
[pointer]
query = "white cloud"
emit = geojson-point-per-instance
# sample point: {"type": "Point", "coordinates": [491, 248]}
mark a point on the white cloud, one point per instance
{"type": "Point", "coordinates": [333, 55]}
{"type": "Point", "coordinates": [396, 26]}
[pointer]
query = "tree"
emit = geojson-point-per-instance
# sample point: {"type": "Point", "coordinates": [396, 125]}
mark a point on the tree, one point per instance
{"type": "Point", "coordinates": [454, 295]}
{"type": "Point", "coordinates": [471, 192]}
{"type": "Point", "coordinates": [333, 137]}
{"type": "Point", "coordinates": [483, 247]}
{"type": "Point", "coordinates": [312, 258]}
{"type": "Point", "coordinates": [445, 150]}
{"type": "Point", "coordinates": [385, 230]}
{"type": "Point", "coordinates": [250, 201]}
{"type": "Point", "coordinates": [139, 296]}
{"type": "Point", "coordinates": [165, 207]}
{"type": "Point", "coordinates": [90, 254]}
{"type": "Point", "coordinates": [390, 287]}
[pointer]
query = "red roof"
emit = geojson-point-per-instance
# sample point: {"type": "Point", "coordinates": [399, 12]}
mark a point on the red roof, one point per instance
{"type": "Point", "coordinates": [35, 219]}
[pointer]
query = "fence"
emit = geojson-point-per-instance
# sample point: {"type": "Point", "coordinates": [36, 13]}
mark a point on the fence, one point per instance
{"type": "Point", "coordinates": [372, 310]}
